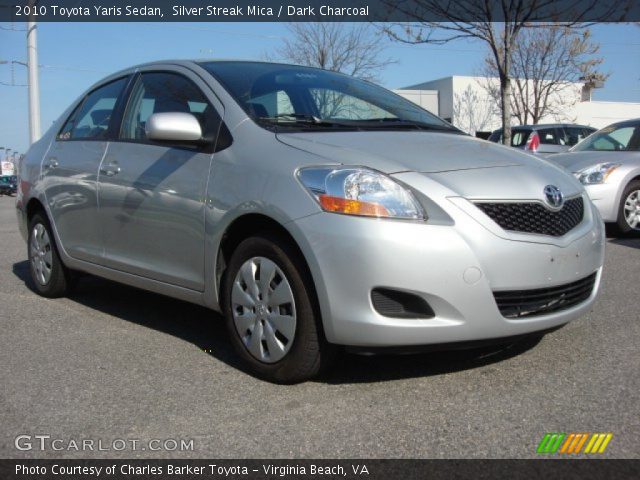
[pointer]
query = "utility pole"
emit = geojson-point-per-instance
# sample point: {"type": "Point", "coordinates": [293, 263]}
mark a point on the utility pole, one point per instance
{"type": "Point", "coordinates": [34, 87]}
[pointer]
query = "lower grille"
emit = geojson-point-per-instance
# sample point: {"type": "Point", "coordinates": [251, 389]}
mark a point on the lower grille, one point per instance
{"type": "Point", "coordinates": [397, 304]}
{"type": "Point", "coordinates": [534, 217]}
{"type": "Point", "coordinates": [542, 301]}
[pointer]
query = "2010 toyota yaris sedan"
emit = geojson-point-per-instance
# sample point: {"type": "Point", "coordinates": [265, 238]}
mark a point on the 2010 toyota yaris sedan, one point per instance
{"type": "Point", "coordinates": [313, 209]}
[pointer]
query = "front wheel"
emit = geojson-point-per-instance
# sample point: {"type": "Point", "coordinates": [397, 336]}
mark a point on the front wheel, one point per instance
{"type": "Point", "coordinates": [629, 211]}
{"type": "Point", "coordinates": [270, 311]}
{"type": "Point", "coordinates": [51, 278]}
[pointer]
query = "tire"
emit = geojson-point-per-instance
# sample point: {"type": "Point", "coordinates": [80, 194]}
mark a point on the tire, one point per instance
{"type": "Point", "coordinates": [274, 326]}
{"type": "Point", "coordinates": [50, 277]}
{"type": "Point", "coordinates": [630, 196]}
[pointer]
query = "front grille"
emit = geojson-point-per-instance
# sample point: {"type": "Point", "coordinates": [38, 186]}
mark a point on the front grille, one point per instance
{"type": "Point", "coordinates": [542, 301]}
{"type": "Point", "coordinates": [533, 217]}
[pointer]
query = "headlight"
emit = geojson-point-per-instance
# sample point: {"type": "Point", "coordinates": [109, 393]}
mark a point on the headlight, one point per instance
{"type": "Point", "coordinates": [596, 174]}
{"type": "Point", "coordinates": [360, 191]}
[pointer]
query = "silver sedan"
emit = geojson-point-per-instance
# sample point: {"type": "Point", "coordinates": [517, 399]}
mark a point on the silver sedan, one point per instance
{"type": "Point", "coordinates": [312, 209]}
{"type": "Point", "coordinates": [607, 163]}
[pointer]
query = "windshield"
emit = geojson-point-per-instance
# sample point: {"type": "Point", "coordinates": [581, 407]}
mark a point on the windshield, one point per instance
{"type": "Point", "coordinates": [614, 138]}
{"type": "Point", "coordinates": [292, 96]}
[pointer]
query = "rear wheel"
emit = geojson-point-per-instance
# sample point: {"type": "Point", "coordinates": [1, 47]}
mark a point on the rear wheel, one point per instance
{"type": "Point", "coordinates": [270, 313]}
{"type": "Point", "coordinates": [629, 210]}
{"type": "Point", "coordinates": [51, 278]}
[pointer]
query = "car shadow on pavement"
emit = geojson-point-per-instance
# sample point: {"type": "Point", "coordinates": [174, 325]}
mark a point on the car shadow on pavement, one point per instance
{"type": "Point", "coordinates": [626, 242]}
{"type": "Point", "coordinates": [205, 329]}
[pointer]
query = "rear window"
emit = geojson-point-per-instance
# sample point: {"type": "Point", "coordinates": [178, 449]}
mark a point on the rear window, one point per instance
{"type": "Point", "coordinates": [549, 136]}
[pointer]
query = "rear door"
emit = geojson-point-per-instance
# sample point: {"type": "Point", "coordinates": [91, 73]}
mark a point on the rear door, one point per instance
{"type": "Point", "coordinates": [69, 170]}
{"type": "Point", "coordinates": [152, 195]}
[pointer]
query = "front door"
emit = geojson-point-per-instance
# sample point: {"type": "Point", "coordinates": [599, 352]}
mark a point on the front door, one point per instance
{"type": "Point", "coordinates": [152, 195]}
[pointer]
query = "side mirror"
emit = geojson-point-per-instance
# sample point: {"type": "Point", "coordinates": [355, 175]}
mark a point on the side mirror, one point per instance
{"type": "Point", "coordinates": [173, 127]}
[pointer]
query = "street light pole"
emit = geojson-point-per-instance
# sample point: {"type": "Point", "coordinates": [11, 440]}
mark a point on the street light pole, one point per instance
{"type": "Point", "coordinates": [34, 87]}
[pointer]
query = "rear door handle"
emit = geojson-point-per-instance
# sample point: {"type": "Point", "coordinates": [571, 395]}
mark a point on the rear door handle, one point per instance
{"type": "Point", "coordinates": [110, 169]}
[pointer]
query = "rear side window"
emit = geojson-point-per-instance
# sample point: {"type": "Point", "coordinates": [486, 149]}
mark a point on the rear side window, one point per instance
{"type": "Point", "coordinates": [163, 92]}
{"type": "Point", "coordinates": [90, 121]}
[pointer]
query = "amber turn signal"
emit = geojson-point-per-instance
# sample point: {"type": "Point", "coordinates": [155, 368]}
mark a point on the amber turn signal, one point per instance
{"type": "Point", "coordinates": [352, 207]}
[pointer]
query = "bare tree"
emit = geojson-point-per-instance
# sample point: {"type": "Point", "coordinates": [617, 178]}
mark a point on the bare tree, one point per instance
{"type": "Point", "coordinates": [472, 112]}
{"type": "Point", "coordinates": [497, 23]}
{"type": "Point", "coordinates": [546, 64]}
{"type": "Point", "coordinates": [354, 49]}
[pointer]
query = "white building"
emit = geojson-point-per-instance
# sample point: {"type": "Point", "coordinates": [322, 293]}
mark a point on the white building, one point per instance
{"type": "Point", "coordinates": [467, 103]}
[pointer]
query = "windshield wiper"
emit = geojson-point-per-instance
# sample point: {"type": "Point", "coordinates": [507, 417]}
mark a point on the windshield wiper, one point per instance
{"type": "Point", "coordinates": [392, 122]}
{"type": "Point", "coordinates": [306, 119]}
{"type": "Point", "coordinates": [370, 123]}
{"type": "Point", "coordinates": [294, 116]}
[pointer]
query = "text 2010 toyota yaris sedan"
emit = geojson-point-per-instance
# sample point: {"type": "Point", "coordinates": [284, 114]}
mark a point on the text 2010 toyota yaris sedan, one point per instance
{"type": "Point", "coordinates": [311, 208]}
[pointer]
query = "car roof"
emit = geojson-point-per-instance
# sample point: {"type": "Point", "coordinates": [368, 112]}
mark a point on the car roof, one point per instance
{"type": "Point", "coordinates": [550, 125]}
{"type": "Point", "coordinates": [540, 126]}
{"type": "Point", "coordinates": [634, 122]}
{"type": "Point", "coordinates": [188, 63]}
{"type": "Point", "coordinates": [198, 62]}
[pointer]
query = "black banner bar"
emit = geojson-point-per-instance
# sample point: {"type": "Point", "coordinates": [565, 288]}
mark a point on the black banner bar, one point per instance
{"type": "Point", "coordinates": [319, 10]}
{"type": "Point", "coordinates": [137, 469]}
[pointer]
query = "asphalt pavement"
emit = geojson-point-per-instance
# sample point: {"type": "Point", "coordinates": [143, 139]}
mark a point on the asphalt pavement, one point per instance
{"type": "Point", "coordinates": [115, 363]}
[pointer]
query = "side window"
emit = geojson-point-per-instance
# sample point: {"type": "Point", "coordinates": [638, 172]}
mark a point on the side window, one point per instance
{"type": "Point", "coordinates": [162, 92]}
{"type": "Point", "coordinates": [519, 137]}
{"type": "Point", "coordinates": [90, 121]}
{"type": "Point", "coordinates": [574, 135]}
{"type": "Point", "coordinates": [496, 136]}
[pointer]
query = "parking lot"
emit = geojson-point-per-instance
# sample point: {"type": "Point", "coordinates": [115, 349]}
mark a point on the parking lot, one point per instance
{"type": "Point", "coordinates": [113, 362]}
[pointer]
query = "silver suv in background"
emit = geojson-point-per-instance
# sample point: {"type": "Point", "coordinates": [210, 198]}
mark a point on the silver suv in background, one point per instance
{"type": "Point", "coordinates": [311, 208]}
{"type": "Point", "coordinates": [545, 139]}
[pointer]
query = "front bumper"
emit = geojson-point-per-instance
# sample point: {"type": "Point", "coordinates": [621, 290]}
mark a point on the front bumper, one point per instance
{"type": "Point", "coordinates": [455, 268]}
{"type": "Point", "coordinates": [605, 197]}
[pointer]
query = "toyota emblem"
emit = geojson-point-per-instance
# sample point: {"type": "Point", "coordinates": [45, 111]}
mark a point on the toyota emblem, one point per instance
{"type": "Point", "coordinates": [554, 196]}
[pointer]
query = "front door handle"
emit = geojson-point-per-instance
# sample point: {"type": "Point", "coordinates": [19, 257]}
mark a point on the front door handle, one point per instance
{"type": "Point", "coordinates": [51, 162]}
{"type": "Point", "coordinates": [110, 169]}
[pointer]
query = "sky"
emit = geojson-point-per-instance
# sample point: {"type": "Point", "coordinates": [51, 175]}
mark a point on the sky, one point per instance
{"type": "Point", "coordinates": [73, 56]}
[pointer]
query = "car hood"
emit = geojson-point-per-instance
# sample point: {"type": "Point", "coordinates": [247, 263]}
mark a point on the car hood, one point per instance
{"type": "Point", "coordinates": [416, 151]}
{"type": "Point", "coordinates": [574, 161]}
{"type": "Point", "coordinates": [465, 166]}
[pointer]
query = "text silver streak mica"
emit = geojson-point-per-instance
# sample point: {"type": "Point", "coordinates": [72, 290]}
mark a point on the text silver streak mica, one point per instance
{"type": "Point", "coordinates": [311, 208]}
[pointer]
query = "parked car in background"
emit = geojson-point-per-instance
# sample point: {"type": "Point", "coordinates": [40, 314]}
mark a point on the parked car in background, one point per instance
{"type": "Point", "coordinates": [311, 208]}
{"type": "Point", "coordinates": [608, 165]}
{"type": "Point", "coordinates": [8, 185]}
{"type": "Point", "coordinates": [545, 139]}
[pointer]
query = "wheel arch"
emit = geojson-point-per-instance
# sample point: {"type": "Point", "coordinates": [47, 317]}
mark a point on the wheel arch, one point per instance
{"type": "Point", "coordinates": [251, 224]}
{"type": "Point", "coordinates": [34, 206]}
